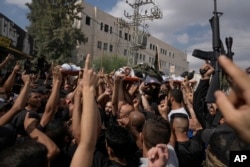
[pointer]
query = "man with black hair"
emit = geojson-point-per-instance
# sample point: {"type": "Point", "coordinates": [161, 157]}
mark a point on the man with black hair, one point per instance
{"type": "Point", "coordinates": [190, 152]}
{"type": "Point", "coordinates": [33, 104]}
{"type": "Point", "coordinates": [201, 108]}
{"type": "Point", "coordinates": [57, 130]}
{"type": "Point", "coordinates": [25, 154]}
{"type": "Point", "coordinates": [156, 130]}
{"type": "Point", "coordinates": [118, 145]}
{"type": "Point", "coordinates": [175, 102]}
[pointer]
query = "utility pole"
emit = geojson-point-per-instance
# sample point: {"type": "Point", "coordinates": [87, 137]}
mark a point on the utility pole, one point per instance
{"type": "Point", "coordinates": [139, 38]}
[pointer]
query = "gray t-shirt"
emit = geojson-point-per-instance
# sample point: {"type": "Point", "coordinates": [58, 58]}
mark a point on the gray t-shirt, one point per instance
{"type": "Point", "coordinates": [172, 160]}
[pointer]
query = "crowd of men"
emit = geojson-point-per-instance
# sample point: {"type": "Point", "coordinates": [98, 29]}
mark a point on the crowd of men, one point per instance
{"type": "Point", "coordinates": [116, 120]}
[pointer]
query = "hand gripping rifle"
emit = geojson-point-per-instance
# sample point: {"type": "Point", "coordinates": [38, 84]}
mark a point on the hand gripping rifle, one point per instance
{"type": "Point", "coordinates": [218, 49]}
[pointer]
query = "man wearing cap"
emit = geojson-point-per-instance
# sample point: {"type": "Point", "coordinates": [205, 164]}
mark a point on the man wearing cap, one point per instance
{"type": "Point", "coordinates": [175, 102]}
{"type": "Point", "coordinates": [149, 91]}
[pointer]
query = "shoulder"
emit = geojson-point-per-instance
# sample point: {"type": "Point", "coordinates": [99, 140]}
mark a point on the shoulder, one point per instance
{"type": "Point", "coordinates": [173, 160]}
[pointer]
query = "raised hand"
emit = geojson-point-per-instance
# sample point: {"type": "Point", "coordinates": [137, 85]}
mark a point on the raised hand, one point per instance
{"type": "Point", "coordinates": [57, 74]}
{"type": "Point", "coordinates": [26, 77]}
{"type": "Point", "coordinates": [209, 70]}
{"type": "Point", "coordinates": [158, 156]}
{"type": "Point", "coordinates": [17, 67]}
{"type": "Point", "coordinates": [9, 57]}
{"type": "Point", "coordinates": [90, 77]}
{"type": "Point", "coordinates": [236, 107]}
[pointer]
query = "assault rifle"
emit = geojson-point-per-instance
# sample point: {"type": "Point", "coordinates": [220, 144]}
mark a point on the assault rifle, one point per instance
{"type": "Point", "coordinates": [218, 49]}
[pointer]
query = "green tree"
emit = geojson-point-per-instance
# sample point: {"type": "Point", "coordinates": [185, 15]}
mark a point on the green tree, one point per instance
{"type": "Point", "coordinates": [52, 27]}
{"type": "Point", "coordinates": [109, 63]}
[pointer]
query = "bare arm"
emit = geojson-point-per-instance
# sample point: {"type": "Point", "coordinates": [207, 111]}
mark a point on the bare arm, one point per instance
{"type": "Point", "coordinates": [52, 102]}
{"type": "Point", "coordinates": [116, 96]}
{"type": "Point", "coordinates": [11, 79]}
{"type": "Point", "coordinates": [6, 60]}
{"type": "Point", "coordinates": [20, 101]}
{"type": "Point", "coordinates": [34, 133]}
{"type": "Point", "coordinates": [77, 112]}
{"type": "Point", "coordinates": [84, 153]}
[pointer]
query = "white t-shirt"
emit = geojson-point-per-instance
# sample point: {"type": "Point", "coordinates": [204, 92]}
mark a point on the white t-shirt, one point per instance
{"type": "Point", "coordinates": [180, 110]}
{"type": "Point", "coordinates": [172, 160]}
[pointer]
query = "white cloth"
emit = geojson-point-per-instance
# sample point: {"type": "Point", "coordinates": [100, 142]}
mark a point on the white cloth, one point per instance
{"type": "Point", "coordinates": [180, 110]}
{"type": "Point", "coordinates": [172, 160]}
{"type": "Point", "coordinates": [70, 67]}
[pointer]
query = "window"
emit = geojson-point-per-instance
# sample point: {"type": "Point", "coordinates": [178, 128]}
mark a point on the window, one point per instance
{"type": "Point", "coordinates": [99, 45]}
{"type": "Point", "coordinates": [149, 59]}
{"type": "Point", "coordinates": [106, 28]}
{"type": "Point", "coordinates": [140, 56]}
{"type": "Point", "coordinates": [153, 47]}
{"type": "Point", "coordinates": [125, 52]}
{"type": "Point", "coordinates": [129, 37]}
{"type": "Point", "coordinates": [87, 21]}
{"type": "Point", "coordinates": [150, 46]}
{"type": "Point", "coordinates": [126, 36]}
{"type": "Point", "coordinates": [111, 48]}
{"type": "Point", "coordinates": [101, 26]}
{"type": "Point", "coordinates": [105, 46]}
{"type": "Point", "coordinates": [143, 57]}
{"type": "Point", "coordinates": [110, 30]}
{"type": "Point", "coordinates": [120, 33]}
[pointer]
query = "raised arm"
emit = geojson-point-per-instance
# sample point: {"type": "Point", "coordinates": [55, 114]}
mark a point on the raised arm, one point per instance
{"type": "Point", "coordinates": [52, 102]}
{"type": "Point", "coordinates": [84, 153]}
{"type": "Point", "coordinates": [116, 96]}
{"type": "Point", "coordinates": [144, 99]}
{"type": "Point", "coordinates": [34, 133]}
{"type": "Point", "coordinates": [199, 104]}
{"type": "Point", "coordinates": [20, 101]}
{"type": "Point", "coordinates": [236, 107]}
{"type": "Point", "coordinates": [76, 115]}
{"type": "Point", "coordinates": [6, 60]}
{"type": "Point", "coordinates": [8, 84]}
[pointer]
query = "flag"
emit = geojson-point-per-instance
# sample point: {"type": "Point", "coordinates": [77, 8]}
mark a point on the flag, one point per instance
{"type": "Point", "coordinates": [156, 62]}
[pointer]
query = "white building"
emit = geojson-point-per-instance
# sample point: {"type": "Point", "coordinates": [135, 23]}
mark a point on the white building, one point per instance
{"type": "Point", "coordinates": [108, 38]}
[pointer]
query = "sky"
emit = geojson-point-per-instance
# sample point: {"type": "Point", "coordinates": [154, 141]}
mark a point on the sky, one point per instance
{"type": "Point", "coordinates": [185, 23]}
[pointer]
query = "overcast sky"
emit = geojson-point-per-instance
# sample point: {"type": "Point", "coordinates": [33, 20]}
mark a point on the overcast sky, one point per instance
{"type": "Point", "coordinates": [184, 24]}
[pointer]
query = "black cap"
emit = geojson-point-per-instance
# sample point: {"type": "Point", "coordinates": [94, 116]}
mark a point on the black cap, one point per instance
{"type": "Point", "coordinates": [222, 140]}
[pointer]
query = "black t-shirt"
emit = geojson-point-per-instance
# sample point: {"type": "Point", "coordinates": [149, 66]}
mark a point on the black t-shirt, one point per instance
{"type": "Point", "coordinates": [18, 121]}
{"type": "Point", "coordinates": [190, 153]}
{"type": "Point", "coordinates": [101, 160]}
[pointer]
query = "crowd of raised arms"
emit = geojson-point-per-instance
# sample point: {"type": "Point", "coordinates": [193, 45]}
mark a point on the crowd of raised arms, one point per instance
{"type": "Point", "coordinates": [95, 119]}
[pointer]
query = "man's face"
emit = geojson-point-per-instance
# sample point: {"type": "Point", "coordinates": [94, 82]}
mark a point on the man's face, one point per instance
{"type": "Point", "coordinates": [35, 99]}
{"type": "Point", "coordinates": [123, 119]}
{"type": "Point", "coordinates": [108, 108]}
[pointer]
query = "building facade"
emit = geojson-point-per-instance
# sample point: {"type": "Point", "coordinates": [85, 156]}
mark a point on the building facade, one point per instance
{"type": "Point", "coordinates": [110, 36]}
{"type": "Point", "coordinates": [14, 39]}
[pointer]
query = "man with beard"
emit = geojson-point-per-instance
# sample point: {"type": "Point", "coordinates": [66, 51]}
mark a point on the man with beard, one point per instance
{"type": "Point", "coordinates": [33, 105]}
{"type": "Point", "coordinates": [106, 115]}
{"type": "Point", "coordinates": [149, 91]}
